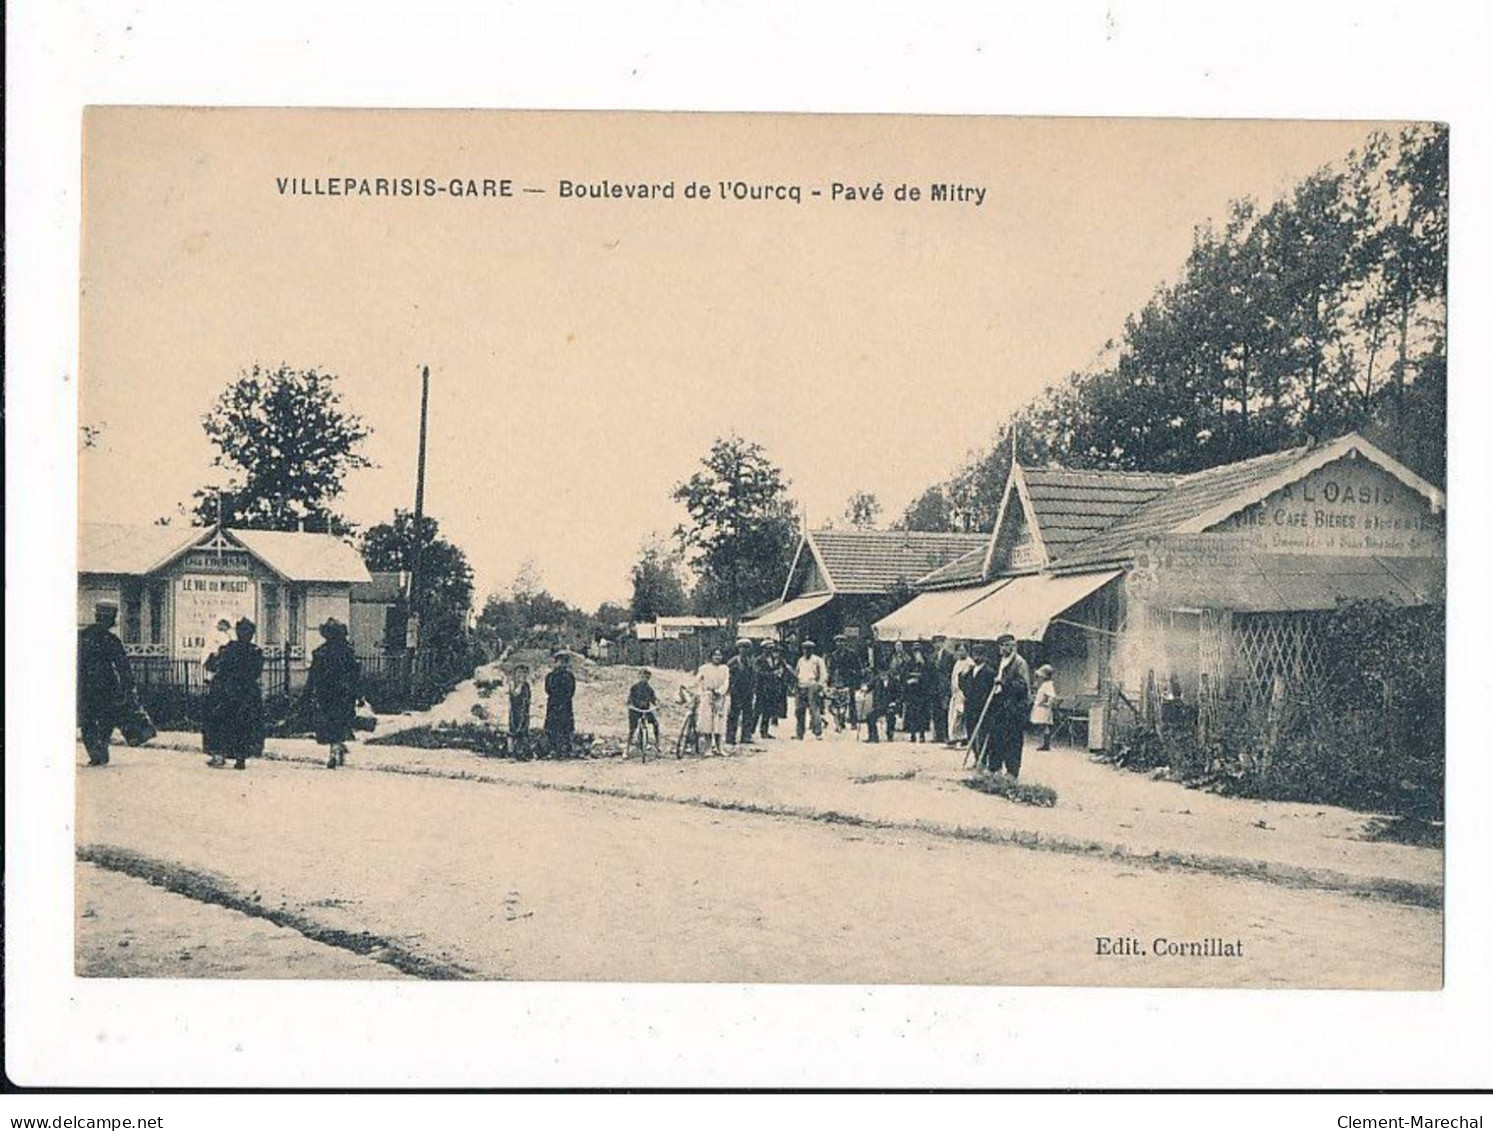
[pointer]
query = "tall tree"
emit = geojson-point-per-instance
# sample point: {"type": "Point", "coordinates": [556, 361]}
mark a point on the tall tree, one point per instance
{"type": "Point", "coordinates": [445, 574]}
{"type": "Point", "coordinates": [287, 444]}
{"type": "Point", "coordinates": [931, 512]}
{"type": "Point", "coordinates": [446, 581]}
{"type": "Point", "coordinates": [657, 589]}
{"type": "Point", "coordinates": [741, 529]}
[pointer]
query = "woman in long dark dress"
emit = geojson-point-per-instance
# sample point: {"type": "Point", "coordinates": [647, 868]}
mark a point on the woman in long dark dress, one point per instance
{"type": "Point", "coordinates": [917, 693]}
{"type": "Point", "coordinates": [332, 687]}
{"type": "Point", "coordinates": [234, 722]}
{"type": "Point", "coordinates": [559, 706]}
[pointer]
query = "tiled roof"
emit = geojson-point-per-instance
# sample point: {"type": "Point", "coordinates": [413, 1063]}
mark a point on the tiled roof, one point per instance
{"type": "Point", "coordinates": [876, 561]}
{"type": "Point", "coordinates": [1072, 506]}
{"type": "Point", "coordinates": [964, 570]}
{"type": "Point", "coordinates": [1189, 495]}
{"type": "Point", "coordinates": [112, 547]}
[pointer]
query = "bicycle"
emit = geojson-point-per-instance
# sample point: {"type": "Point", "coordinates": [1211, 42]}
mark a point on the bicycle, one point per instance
{"type": "Point", "coordinates": [689, 730]}
{"type": "Point", "coordinates": [641, 728]}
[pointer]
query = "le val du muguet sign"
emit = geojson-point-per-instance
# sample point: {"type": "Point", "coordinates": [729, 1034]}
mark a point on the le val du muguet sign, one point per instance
{"type": "Point", "coordinates": [1351, 507]}
{"type": "Point", "coordinates": [204, 599]}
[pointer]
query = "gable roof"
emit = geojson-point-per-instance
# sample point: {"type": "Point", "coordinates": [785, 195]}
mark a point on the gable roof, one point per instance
{"type": "Point", "coordinates": [876, 561]}
{"type": "Point", "coordinates": [1073, 506]}
{"type": "Point", "coordinates": [1205, 498]}
{"type": "Point", "coordinates": [116, 547]}
{"type": "Point", "coordinates": [119, 548]}
{"type": "Point", "coordinates": [967, 569]}
{"type": "Point", "coordinates": [304, 557]}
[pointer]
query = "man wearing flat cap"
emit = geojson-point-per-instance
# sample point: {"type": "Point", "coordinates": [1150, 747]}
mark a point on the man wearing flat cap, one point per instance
{"type": "Point", "coordinates": [741, 688]}
{"type": "Point", "coordinates": [105, 683]}
{"type": "Point", "coordinates": [1009, 705]}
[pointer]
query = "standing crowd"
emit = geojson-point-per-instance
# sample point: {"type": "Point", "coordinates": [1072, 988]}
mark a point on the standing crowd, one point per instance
{"type": "Point", "coordinates": [959, 695]}
{"type": "Point", "coordinates": [946, 692]}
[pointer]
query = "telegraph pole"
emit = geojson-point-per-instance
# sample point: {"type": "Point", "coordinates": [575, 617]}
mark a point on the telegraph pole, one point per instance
{"type": "Point", "coordinates": [413, 637]}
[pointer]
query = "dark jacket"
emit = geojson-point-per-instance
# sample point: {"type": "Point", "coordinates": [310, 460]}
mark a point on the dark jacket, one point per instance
{"type": "Point", "coordinates": [559, 709]}
{"type": "Point", "coordinates": [233, 723]}
{"type": "Point", "coordinates": [978, 685]}
{"type": "Point", "coordinates": [333, 687]}
{"type": "Point", "coordinates": [845, 667]}
{"type": "Point", "coordinates": [1015, 694]}
{"type": "Point", "coordinates": [743, 677]}
{"type": "Point", "coordinates": [105, 683]}
{"type": "Point", "coordinates": [943, 667]}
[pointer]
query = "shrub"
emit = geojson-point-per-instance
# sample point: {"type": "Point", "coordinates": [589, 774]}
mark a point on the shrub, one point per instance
{"type": "Point", "coordinates": [1013, 789]}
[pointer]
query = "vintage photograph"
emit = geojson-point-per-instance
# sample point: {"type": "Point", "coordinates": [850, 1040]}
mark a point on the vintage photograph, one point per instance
{"type": "Point", "coordinates": [664, 547]}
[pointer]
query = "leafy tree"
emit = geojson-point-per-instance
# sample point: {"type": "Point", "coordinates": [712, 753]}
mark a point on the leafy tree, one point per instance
{"type": "Point", "coordinates": [862, 510]}
{"type": "Point", "coordinates": [657, 589]}
{"type": "Point", "coordinates": [741, 529]}
{"type": "Point", "coordinates": [1322, 313]}
{"type": "Point", "coordinates": [287, 444]}
{"type": "Point", "coordinates": [445, 593]}
{"type": "Point", "coordinates": [931, 512]}
{"type": "Point", "coordinates": [445, 574]}
{"type": "Point", "coordinates": [608, 615]}
{"type": "Point", "coordinates": [528, 614]}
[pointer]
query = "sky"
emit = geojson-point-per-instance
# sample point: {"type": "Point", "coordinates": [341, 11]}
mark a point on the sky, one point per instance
{"type": "Point", "coordinates": [585, 353]}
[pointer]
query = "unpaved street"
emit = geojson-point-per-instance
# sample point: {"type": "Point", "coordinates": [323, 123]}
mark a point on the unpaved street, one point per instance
{"type": "Point", "coordinates": [512, 881]}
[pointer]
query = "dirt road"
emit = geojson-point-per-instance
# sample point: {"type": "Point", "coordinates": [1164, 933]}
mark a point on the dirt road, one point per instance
{"type": "Point", "coordinates": [502, 881]}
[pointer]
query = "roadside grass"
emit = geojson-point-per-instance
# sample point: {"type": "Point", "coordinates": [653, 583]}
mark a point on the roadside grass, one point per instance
{"type": "Point", "coordinates": [1405, 830]}
{"type": "Point", "coordinates": [1021, 792]}
{"type": "Point", "coordinates": [871, 779]}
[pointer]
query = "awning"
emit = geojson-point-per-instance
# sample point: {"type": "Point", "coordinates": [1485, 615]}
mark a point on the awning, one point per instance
{"type": "Point", "coordinates": [926, 615]}
{"type": "Point", "coordinates": [1025, 607]}
{"type": "Point", "coordinates": [787, 611]}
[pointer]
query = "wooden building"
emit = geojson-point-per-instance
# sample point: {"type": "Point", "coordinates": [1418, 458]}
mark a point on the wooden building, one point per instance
{"type": "Point", "coordinates": [844, 580]}
{"type": "Point", "coordinates": [173, 584]}
{"type": "Point", "coordinates": [1120, 578]}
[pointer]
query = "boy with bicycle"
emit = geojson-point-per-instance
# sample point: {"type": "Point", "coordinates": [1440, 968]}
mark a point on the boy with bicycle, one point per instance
{"type": "Point", "coordinates": [642, 712]}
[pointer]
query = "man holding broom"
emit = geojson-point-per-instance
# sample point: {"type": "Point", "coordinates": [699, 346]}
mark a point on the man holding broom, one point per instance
{"type": "Point", "coordinates": [1004, 694]}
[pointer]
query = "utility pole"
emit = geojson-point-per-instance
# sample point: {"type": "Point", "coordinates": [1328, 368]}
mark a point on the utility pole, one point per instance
{"type": "Point", "coordinates": [413, 637]}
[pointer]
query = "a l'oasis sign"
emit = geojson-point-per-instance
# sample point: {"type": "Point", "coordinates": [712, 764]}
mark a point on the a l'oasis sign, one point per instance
{"type": "Point", "coordinates": [1350, 506]}
{"type": "Point", "coordinates": [202, 600]}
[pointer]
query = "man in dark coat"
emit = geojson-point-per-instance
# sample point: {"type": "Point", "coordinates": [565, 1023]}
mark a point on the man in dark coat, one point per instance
{"type": "Point", "coordinates": [234, 722]}
{"type": "Point", "coordinates": [846, 672]}
{"type": "Point", "coordinates": [770, 701]}
{"type": "Point", "coordinates": [741, 719]}
{"type": "Point", "coordinates": [332, 688]}
{"type": "Point", "coordinates": [944, 660]}
{"type": "Point", "coordinates": [105, 683]}
{"type": "Point", "coordinates": [979, 688]}
{"type": "Point", "coordinates": [559, 706]}
{"type": "Point", "coordinates": [1009, 708]}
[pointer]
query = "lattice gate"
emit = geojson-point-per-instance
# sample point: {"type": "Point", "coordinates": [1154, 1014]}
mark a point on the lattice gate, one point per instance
{"type": "Point", "coordinates": [1288, 645]}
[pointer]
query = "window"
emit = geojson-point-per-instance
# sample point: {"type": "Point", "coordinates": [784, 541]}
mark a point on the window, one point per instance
{"type": "Point", "coordinates": [293, 631]}
{"type": "Point", "coordinates": [158, 612]}
{"type": "Point", "coordinates": [132, 612]}
{"type": "Point", "coordinates": [269, 592]}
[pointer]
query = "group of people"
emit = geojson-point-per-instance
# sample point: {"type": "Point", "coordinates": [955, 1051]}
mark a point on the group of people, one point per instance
{"type": "Point", "coordinates": [981, 696]}
{"type": "Point", "coordinates": [233, 716]}
{"type": "Point", "coordinates": [559, 707]}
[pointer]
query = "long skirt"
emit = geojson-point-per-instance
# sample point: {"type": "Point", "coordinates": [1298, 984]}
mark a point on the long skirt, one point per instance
{"type": "Point", "coordinates": [712, 717]}
{"type": "Point", "coordinates": [234, 723]}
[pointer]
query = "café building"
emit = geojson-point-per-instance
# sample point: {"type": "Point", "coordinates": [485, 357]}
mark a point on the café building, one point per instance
{"type": "Point", "coordinates": [1216, 578]}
